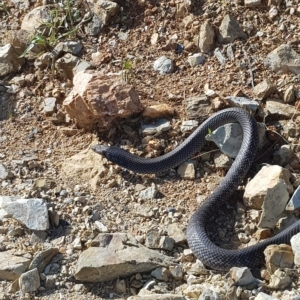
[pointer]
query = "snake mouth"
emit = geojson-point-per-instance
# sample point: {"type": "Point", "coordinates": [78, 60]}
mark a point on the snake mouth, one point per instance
{"type": "Point", "coordinates": [100, 149]}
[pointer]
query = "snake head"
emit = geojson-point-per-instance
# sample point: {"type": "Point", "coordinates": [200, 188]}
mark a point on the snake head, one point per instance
{"type": "Point", "coordinates": [100, 149]}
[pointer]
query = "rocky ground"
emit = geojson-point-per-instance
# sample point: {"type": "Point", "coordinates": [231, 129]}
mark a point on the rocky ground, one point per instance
{"type": "Point", "coordinates": [143, 75]}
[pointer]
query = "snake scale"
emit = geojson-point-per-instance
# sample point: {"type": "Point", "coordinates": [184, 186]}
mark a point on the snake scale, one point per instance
{"type": "Point", "coordinates": [203, 248]}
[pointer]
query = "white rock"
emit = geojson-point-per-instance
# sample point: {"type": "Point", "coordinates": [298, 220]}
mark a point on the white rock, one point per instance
{"type": "Point", "coordinates": [264, 296]}
{"type": "Point", "coordinates": [242, 276]}
{"type": "Point", "coordinates": [101, 227]}
{"type": "Point", "coordinates": [295, 243]}
{"type": "Point", "coordinates": [29, 281]}
{"type": "Point", "coordinates": [163, 65]}
{"type": "Point", "coordinates": [187, 170]}
{"type": "Point", "coordinates": [252, 3]}
{"type": "Point", "coordinates": [279, 280]}
{"type": "Point", "coordinates": [294, 202]}
{"type": "Point", "coordinates": [196, 59]}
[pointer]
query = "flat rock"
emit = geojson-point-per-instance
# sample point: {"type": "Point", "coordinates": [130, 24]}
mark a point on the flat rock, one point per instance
{"type": "Point", "coordinates": [294, 202]}
{"type": "Point", "coordinates": [86, 165]}
{"type": "Point", "coordinates": [243, 102]}
{"type": "Point", "coordinates": [196, 59]}
{"type": "Point", "coordinates": [33, 213]}
{"type": "Point", "coordinates": [161, 125]}
{"type": "Point", "coordinates": [284, 59]}
{"type": "Point", "coordinates": [12, 266]}
{"type": "Point", "coordinates": [119, 255]}
{"type": "Point", "coordinates": [276, 107]}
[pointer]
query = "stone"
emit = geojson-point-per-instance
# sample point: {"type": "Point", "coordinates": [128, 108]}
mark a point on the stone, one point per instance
{"type": "Point", "coordinates": [264, 89]}
{"type": "Point", "coordinates": [209, 294]}
{"type": "Point", "coordinates": [262, 234]}
{"type": "Point", "coordinates": [176, 272]}
{"type": "Point", "coordinates": [252, 3]}
{"type": "Point", "coordinates": [93, 27]}
{"type": "Point", "coordinates": [50, 106]}
{"type": "Point", "coordinates": [158, 111]}
{"type": "Point", "coordinates": [283, 155]}
{"type": "Point", "coordinates": [153, 296]}
{"type": "Point", "coordinates": [34, 19]}
{"type": "Point", "coordinates": [149, 193]}
{"type": "Point", "coordinates": [220, 57]}
{"type": "Point", "coordinates": [100, 99]}
{"type": "Point", "coordinates": [121, 286]}
{"type": "Point", "coordinates": [294, 202]}
{"type": "Point", "coordinates": [5, 173]}
{"type": "Point", "coordinates": [10, 60]}
{"type": "Point", "coordinates": [177, 232]}
{"type": "Point", "coordinates": [163, 65]}
{"type": "Point", "coordinates": [103, 9]}
{"type": "Point", "coordinates": [187, 170]}
{"type": "Point", "coordinates": [267, 178]}
{"type": "Point", "coordinates": [295, 244]}
{"type": "Point", "coordinates": [166, 243]}
{"type": "Point", "coordinates": [242, 276]}
{"type": "Point", "coordinates": [67, 47]}
{"type": "Point", "coordinates": [230, 30]}
{"type": "Point", "coordinates": [197, 107]}
{"type": "Point", "coordinates": [196, 59]}
{"type": "Point", "coordinates": [287, 221]}
{"type": "Point", "coordinates": [161, 125]}
{"type": "Point", "coordinates": [70, 64]}
{"type": "Point", "coordinates": [289, 95]}
{"type": "Point", "coordinates": [188, 126]}
{"type": "Point", "coordinates": [278, 257]}
{"type": "Point", "coordinates": [284, 59]}
{"type": "Point", "coordinates": [222, 161]}
{"type": "Point", "coordinates": [12, 266]}
{"type": "Point", "coordinates": [206, 37]}
{"type": "Point", "coordinates": [243, 102]}
{"type": "Point", "coordinates": [153, 238]}
{"type": "Point", "coordinates": [161, 274]}
{"type": "Point", "coordinates": [264, 296]}
{"type": "Point", "coordinates": [197, 268]}
{"type": "Point", "coordinates": [86, 165]}
{"type": "Point", "coordinates": [279, 280]}
{"type": "Point", "coordinates": [230, 136]}
{"type": "Point", "coordinates": [33, 213]}
{"type": "Point", "coordinates": [101, 227]}
{"type": "Point", "coordinates": [275, 107]}
{"type": "Point", "coordinates": [119, 255]}
{"type": "Point", "coordinates": [42, 259]}
{"type": "Point", "coordinates": [29, 281]}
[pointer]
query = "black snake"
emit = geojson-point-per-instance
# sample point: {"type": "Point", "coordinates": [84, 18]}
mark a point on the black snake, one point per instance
{"type": "Point", "coordinates": [198, 240]}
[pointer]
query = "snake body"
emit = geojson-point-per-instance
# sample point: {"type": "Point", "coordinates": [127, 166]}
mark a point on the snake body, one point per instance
{"type": "Point", "coordinates": [203, 248]}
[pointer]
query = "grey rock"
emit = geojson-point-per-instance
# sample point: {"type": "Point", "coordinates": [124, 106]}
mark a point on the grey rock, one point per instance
{"type": "Point", "coordinates": [156, 128]}
{"type": "Point", "coordinates": [153, 238]}
{"type": "Point", "coordinates": [44, 61]}
{"type": "Point", "coordinates": [38, 237]}
{"type": "Point", "coordinates": [209, 294]}
{"type": "Point", "coordinates": [276, 107]}
{"type": "Point", "coordinates": [5, 173]}
{"type": "Point", "coordinates": [94, 27]}
{"type": "Point", "coordinates": [33, 213]}
{"type": "Point", "coordinates": [50, 282]}
{"type": "Point", "coordinates": [166, 243]}
{"type": "Point", "coordinates": [197, 108]}
{"type": "Point", "coordinates": [295, 244]}
{"type": "Point", "coordinates": [264, 296]}
{"type": "Point", "coordinates": [284, 59]}
{"type": "Point", "coordinates": [10, 60]}
{"type": "Point", "coordinates": [243, 102]}
{"type": "Point", "coordinates": [177, 272]}
{"type": "Point", "coordinates": [294, 202]}
{"type": "Point", "coordinates": [119, 255]}
{"type": "Point", "coordinates": [153, 296]}
{"type": "Point", "coordinates": [206, 37]}
{"type": "Point", "coordinates": [50, 106]}
{"type": "Point", "coordinates": [220, 57]}
{"type": "Point", "coordinates": [222, 161]}
{"type": "Point", "coordinates": [67, 47]}
{"type": "Point", "coordinates": [197, 268]}
{"type": "Point", "coordinates": [264, 89]}
{"type": "Point", "coordinates": [163, 65]}
{"type": "Point", "coordinates": [196, 59]}
{"type": "Point", "coordinates": [283, 155]}
{"type": "Point", "coordinates": [177, 232]}
{"type": "Point", "coordinates": [230, 136]}
{"type": "Point", "coordinates": [12, 266]}
{"type": "Point", "coordinates": [289, 94]}
{"type": "Point", "coordinates": [161, 274]}
{"type": "Point", "coordinates": [230, 30]}
{"type": "Point", "coordinates": [187, 169]}
{"type": "Point", "coordinates": [149, 193]}
{"type": "Point", "coordinates": [42, 259]}
{"type": "Point", "coordinates": [29, 281]}
{"type": "Point", "coordinates": [242, 276]}
{"type": "Point", "coordinates": [289, 220]}
{"type": "Point", "coordinates": [188, 125]}
{"type": "Point", "coordinates": [121, 286]}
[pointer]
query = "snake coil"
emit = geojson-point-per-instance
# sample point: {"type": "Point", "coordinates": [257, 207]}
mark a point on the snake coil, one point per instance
{"type": "Point", "coordinates": [210, 254]}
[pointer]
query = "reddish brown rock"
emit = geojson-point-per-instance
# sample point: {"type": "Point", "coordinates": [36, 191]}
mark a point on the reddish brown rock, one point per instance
{"type": "Point", "coordinates": [100, 99]}
{"type": "Point", "coordinates": [158, 111]}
